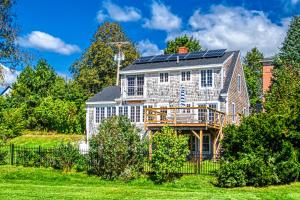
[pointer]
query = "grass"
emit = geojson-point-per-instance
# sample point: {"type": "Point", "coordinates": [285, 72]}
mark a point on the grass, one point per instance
{"type": "Point", "coordinates": [38, 183]}
{"type": "Point", "coordinates": [44, 139]}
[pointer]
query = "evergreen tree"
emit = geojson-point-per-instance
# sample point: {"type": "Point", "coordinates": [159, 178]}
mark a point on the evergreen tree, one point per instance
{"type": "Point", "coordinates": [182, 41]}
{"type": "Point", "coordinates": [96, 68]}
{"type": "Point", "coordinates": [253, 75]}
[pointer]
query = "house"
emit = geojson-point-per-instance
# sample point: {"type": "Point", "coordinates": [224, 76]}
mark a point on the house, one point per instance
{"type": "Point", "coordinates": [6, 91]}
{"type": "Point", "coordinates": [195, 93]}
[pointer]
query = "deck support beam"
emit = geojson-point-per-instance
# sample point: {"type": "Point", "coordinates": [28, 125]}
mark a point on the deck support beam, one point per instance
{"type": "Point", "coordinates": [201, 144]}
{"type": "Point", "coordinates": [214, 147]}
{"type": "Point", "coordinates": [150, 145]}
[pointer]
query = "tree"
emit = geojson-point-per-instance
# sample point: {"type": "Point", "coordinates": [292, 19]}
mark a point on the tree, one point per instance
{"type": "Point", "coordinates": [253, 74]}
{"type": "Point", "coordinates": [8, 32]}
{"type": "Point", "coordinates": [169, 154]}
{"type": "Point", "coordinates": [96, 68]}
{"type": "Point", "coordinates": [116, 151]}
{"type": "Point", "coordinates": [182, 41]}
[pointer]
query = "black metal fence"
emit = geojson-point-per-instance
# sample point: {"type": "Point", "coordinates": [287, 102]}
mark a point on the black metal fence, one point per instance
{"type": "Point", "coordinates": [38, 156]}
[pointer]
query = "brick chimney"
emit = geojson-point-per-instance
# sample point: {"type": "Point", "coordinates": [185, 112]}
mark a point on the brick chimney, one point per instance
{"type": "Point", "coordinates": [267, 73]}
{"type": "Point", "coordinates": [182, 50]}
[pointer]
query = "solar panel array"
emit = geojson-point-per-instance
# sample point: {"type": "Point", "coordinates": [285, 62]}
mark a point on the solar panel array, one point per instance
{"type": "Point", "coordinates": [187, 56]}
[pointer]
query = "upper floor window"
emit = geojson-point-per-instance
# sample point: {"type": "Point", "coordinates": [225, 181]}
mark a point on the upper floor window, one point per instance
{"type": "Point", "coordinates": [163, 77]}
{"type": "Point", "coordinates": [206, 78]}
{"type": "Point", "coordinates": [186, 76]}
{"type": "Point", "coordinates": [239, 82]}
{"type": "Point", "coordinates": [135, 85]}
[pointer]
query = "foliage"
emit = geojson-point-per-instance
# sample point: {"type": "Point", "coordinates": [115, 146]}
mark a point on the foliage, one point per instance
{"type": "Point", "coordinates": [116, 151]}
{"type": "Point", "coordinates": [65, 157]}
{"type": "Point", "coordinates": [96, 68]}
{"type": "Point", "coordinates": [9, 52]}
{"type": "Point", "coordinates": [182, 41]}
{"type": "Point", "coordinates": [3, 155]}
{"type": "Point", "coordinates": [253, 73]}
{"type": "Point", "coordinates": [12, 123]}
{"type": "Point", "coordinates": [169, 154]}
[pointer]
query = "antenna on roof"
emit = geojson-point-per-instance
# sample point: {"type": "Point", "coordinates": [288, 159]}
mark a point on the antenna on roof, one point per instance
{"type": "Point", "coordinates": [119, 57]}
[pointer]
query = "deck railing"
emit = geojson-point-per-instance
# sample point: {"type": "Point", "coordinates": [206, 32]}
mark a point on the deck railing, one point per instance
{"type": "Point", "coordinates": [188, 117]}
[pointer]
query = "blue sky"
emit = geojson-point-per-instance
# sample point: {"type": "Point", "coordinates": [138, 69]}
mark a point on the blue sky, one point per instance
{"type": "Point", "coordinates": [60, 31]}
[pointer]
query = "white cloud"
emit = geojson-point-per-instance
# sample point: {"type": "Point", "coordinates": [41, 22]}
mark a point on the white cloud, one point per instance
{"type": "Point", "coordinates": [44, 41]}
{"type": "Point", "coordinates": [236, 28]}
{"type": "Point", "coordinates": [10, 76]}
{"type": "Point", "coordinates": [147, 48]}
{"type": "Point", "coordinates": [118, 13]}
{"type": "Point", "coordinates": [294, 2]}
{"type": "Point", "coordinates": [162, 18]}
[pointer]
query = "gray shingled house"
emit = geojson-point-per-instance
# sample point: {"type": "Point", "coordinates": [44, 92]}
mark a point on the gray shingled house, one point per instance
{"type": "Point", "coordinates": [195, 93]}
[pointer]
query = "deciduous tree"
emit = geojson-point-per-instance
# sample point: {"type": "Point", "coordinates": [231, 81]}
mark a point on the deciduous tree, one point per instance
{"type": "Point", "coordinates": [182, 41]}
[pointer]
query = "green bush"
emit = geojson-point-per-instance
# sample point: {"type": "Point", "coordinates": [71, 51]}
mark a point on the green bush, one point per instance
{"type": "Point", "coordinates": [3, 156]}
{"type": "Point", "coordinates": [250, 170]}
{"type": "Point", "coordinates": [116, 151]}
{"type": "Point", "coordinates": [168, 155]}
{"type": "Point", "coordinates": [65, 157]}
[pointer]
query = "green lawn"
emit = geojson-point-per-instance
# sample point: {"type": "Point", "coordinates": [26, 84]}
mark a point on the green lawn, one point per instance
{"type": "Point", "coordinates": [38, 183]}
{"type": "Point", "coordinates": [44, 139]}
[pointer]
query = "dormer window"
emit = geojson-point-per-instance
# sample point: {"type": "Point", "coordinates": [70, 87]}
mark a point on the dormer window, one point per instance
{"type": "Point", "coordinates": [186, 76]}
{"type": "Point", "coordinates": [163, 77]}
{"type": "Point", "coordinates": [206, 78]}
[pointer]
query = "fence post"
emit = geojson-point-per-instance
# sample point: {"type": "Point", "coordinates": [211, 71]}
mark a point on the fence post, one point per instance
{"type": "Point", "coordinates": [12, 152]}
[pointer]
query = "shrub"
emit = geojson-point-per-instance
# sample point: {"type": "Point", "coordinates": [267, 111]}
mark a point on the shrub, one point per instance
{"type": "Point", "coordinates": [169, 154]}
{"type": "Point", "coordinates": [3, 156]}
{"type": "Point", "coordinates": [65, 157]}
{"type": "Point", "coordinates": [116, 150]}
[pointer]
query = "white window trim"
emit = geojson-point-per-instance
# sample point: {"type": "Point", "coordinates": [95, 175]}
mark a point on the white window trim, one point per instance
{"type": "Point", "coordinates": [165, 82]}
{"type": "Point", "coordinates": [185, 72]}
{"type": "Point", "coordinates": [213, 79]}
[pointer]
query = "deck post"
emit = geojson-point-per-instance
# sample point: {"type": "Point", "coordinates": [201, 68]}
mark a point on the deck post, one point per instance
{"type": "Point", "coordinates": [201, 144]}
{"type": "Point", "coordinates": [214, 146]}
{"type": "Point", "coordinates": [150, 145]}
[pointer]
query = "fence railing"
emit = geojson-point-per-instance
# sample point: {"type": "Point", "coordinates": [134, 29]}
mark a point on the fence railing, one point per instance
{"type": "Point", "coordinates": [38, 156]}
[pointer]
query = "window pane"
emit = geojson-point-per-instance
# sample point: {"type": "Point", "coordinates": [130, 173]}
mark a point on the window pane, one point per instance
{"type": "Point", "coordinates": [113, 111]}
{"type": "Point", "coordinates": [188, 76]}
{"type": "Point", "coordinates": [131, 83]}
{"type": "Point", "coordinates": [203, 78]}
{"type": "Point", "coordinates": [120, 111]}
{"type": "Point", "coordinates": [211, 115]}
{"type": "Point", "coordinates": [140, 85]}
{"type": "Point", "coordinates": [182, 76]}
{"type": "Point", "coordinates": [102, 113]}
{"type": "Point", "coordinates": [126, 111]}
{"type": "Point", "coordinates": [108, 111]}
{"type": "Point", "coordinates": [209, 78]}
{"type": "Point", "coordinates": [137, 114]}
{"type": "Point", "coordinates": [166, 77]}
{"type": "Point", "coordinates": [97, 114]}
{"type": "Point", "coordinates": [161, 75]}
{"type": "Point", "coordinates": [202, 113]}
{"type": "Point", "coordinates": [206, 144]}
{"type": "Point", "coordinates": [132, 114]}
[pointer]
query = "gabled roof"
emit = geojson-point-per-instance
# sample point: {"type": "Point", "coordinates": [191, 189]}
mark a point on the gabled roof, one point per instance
{"type": "Point", "coordinates": [182, 63]}
{"type": "Point", "coordinates": [230, 72]}
{"type": "Point", "coordinates": [107, 94]}
{"type": "Point", "coordinates": [5, 90]}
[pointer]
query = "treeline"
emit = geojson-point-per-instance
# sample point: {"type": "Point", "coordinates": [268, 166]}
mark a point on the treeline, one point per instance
{"type": "Point", "coordinates": [42, 100]}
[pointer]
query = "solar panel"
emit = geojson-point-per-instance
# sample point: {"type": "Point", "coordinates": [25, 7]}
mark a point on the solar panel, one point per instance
{"type": "Point", "coordinates": [159, 58]}
{"type": "Point", "coordinates": [195, 55]}
{"type": "Point", "coordinates": [174, 56]}
{"type": "Point", "coordinates": [214, 53]}
{"type": "Point", "coordinates": [143, 59]}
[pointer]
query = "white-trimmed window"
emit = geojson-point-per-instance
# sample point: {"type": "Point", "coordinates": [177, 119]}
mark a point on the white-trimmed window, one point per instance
{"type": "Point", "coordinates": [113, 111]}
{"type": "Point", "coordinates": [132, 113]}
{"type": "Point", "coordinates": [206, 78]}
{"type": "Point", "coordinates": [97, 118]}
{"type": "Point", "coordinates": [164, 77]}
{"type": "Point", "coordinates": [185, 76]}
{"type": "Point", "coordinates": [239, 83]}
{"type": "Point", "coordinates": [125, 111]}
{"type": "Point", "coordinates": [135, 85]}
{"type": "Point", "coordinates": [233, 112]}
{"type": "Point", "coordinates": [121, 113]}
